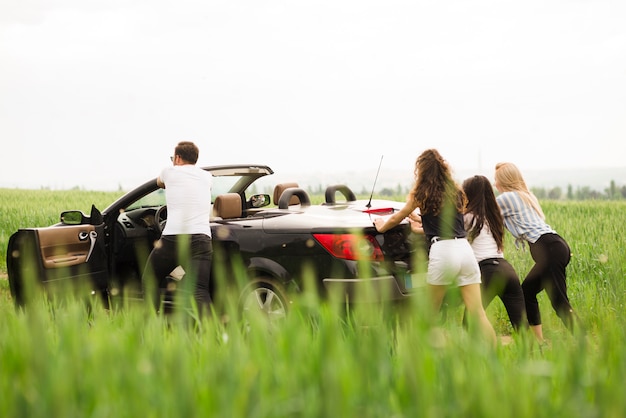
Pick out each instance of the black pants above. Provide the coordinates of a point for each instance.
(551, 255)
(194, 253)
(500, 279)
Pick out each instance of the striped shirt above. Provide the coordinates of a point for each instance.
(522, 221)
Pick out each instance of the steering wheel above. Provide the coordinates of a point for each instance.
(160, 218)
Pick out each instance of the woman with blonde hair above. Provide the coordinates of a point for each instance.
(441, 203)
(525, 220)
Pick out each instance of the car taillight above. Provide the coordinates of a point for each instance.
(351, 246)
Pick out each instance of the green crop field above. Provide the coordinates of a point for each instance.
(60, 359)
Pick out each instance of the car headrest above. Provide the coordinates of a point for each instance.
(287, 197)
(227, 206)
(280, 188)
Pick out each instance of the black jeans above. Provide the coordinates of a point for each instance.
(500, 279)
(194, 253)
(551, 254)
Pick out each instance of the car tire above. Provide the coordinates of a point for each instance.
(263, 299)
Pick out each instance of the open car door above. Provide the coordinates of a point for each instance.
(71, 254)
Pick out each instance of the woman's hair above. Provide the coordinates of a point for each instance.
(434, 186)
(509, 179)
(481, 203)
(188, 151)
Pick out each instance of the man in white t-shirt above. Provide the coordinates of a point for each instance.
(186, 238)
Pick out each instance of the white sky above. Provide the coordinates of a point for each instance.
(96, 94)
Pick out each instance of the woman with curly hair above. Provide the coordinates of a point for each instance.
(485, 229)
(441, 203)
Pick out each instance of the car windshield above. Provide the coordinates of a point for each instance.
(224, 184)
(155, 198)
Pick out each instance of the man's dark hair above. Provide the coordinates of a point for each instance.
(188, 151)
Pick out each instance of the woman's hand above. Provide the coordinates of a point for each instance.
(416, 223)
(379, 223)
(415, 217)
(416, 226)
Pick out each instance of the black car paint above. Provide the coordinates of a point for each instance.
(276, 246)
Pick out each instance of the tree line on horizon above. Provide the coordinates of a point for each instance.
(613, 192)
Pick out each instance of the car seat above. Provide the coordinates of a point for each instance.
(227, 206)
(280, 188)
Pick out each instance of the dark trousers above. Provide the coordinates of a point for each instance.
(551, 254)
(194, 253)
(500, 279)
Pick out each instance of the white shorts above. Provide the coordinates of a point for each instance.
(452, 261)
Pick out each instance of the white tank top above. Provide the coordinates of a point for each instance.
(484, 245)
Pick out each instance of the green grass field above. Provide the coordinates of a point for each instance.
(60, 359)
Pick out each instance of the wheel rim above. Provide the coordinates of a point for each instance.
(266, 303)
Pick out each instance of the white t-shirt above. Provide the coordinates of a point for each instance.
(188, 197)
(484, 245)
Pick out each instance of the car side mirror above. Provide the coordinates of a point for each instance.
(72, 217)
(259, 200)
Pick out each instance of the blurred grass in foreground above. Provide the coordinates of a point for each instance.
(60, 359)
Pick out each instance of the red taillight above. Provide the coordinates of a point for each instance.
(351, 246)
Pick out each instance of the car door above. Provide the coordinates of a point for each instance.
(69, 255)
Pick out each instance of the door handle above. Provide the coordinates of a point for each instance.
(83, 235)
(92, 236)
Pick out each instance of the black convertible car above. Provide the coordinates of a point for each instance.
(276, 241)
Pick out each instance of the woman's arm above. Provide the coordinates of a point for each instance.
(385, 224)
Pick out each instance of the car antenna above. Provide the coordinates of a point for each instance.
(369, 204)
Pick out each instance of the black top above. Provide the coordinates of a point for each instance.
(443, 226)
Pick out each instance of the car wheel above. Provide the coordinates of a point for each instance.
(263, 300)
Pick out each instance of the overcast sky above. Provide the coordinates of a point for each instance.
(96, 94)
